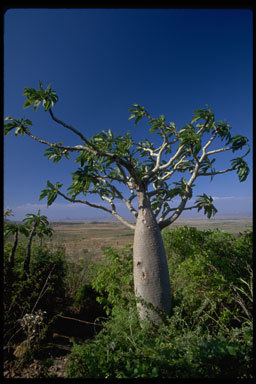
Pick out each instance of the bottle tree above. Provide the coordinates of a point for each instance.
(116, 168)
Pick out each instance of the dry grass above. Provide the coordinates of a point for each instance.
(80, 239)
(89, 238)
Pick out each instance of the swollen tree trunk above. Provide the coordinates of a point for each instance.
(28, 253)
(150, 269)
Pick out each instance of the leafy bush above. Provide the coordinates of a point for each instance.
(206, 271)
(209, 333)
(124, 349)
(114, 280)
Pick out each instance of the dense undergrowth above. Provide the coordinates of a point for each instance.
(208, 334)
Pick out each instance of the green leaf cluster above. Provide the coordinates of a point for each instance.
(205, 202)
(35, 97)
(106, 141)
(181, 188)
(20, 126)
(223, 130)
(204, 114)
(190, 139)
(207, 165)
(157, 124)
(56, 154)
(38, 219)
(138, 113)
(238, 142)
(81, 181)
(242, 168)
(12, 228)
(51, 192)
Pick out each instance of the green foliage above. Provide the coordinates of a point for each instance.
(124, 349)
(55, 154)
(113, 281)
(181, 188)
(20, 126)
(12, 228)
(206, 267)
(189, 137)
(36, 97)
(209, 333)
(106, 158)
(242, 168)
(51, 192)
(137, 112)
(205, 202)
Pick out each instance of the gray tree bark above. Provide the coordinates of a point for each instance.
(150, 269)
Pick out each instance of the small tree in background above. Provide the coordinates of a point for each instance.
(43, 231)
(149, 174)
(35, 222)
(14, 229)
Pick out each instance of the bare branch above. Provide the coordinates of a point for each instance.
(217, 172)
(218, 151)
(119, 195)
(84, 202)
(115, 214)
(68, 148)
(112, 212)
(175, 215)
(158, 158)
(71, 129)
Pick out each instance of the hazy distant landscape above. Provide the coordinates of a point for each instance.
(89, 237)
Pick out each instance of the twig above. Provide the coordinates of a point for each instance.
(42, 293)
(80, 321)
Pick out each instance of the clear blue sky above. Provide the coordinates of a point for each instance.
(100, 62)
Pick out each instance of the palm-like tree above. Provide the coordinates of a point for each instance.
(43, 231)
(35, 221)
(14, 229)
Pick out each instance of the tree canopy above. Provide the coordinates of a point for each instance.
(107, 160)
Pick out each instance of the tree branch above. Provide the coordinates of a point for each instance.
(126, 163)
(164, 223)
(181, 207)
(218, 151)
(68, 148)
(119, 161)
(217, 172)
(119, 195)
(71, 129)
(112, 212)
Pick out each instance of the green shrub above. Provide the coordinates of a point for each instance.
(124, 349)
(206, 268)
(113, 281)
(210, 331)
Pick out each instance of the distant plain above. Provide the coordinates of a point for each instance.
(90, 237)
